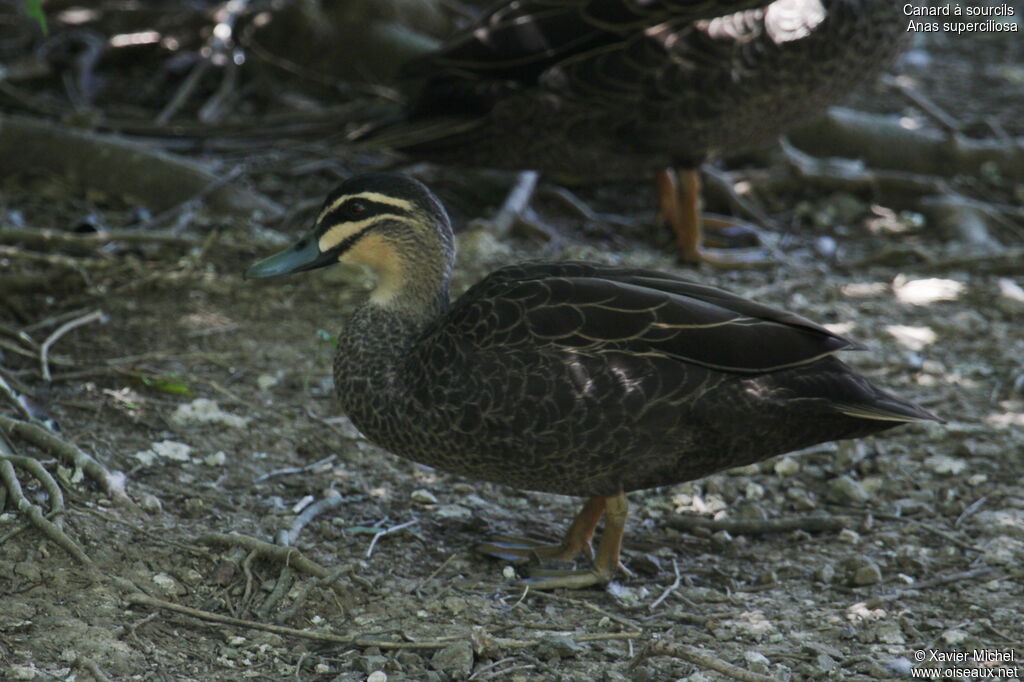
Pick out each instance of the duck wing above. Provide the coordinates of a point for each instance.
(589, 309)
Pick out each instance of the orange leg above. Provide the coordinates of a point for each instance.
(679, 206)
(606, 564)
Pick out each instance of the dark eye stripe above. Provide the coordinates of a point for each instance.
(343, 212)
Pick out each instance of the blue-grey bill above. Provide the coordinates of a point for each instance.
(303, 255)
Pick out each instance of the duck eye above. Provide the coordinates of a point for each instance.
(356, 208)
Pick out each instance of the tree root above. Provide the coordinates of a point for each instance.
(117, 165)
(35, 516)
(112, 483)
(882, 141)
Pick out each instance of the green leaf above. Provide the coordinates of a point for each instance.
(168, 384)
(34, 8)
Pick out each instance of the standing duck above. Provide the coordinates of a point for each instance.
(613, 90)
(570, 377)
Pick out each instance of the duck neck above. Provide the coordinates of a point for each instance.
(377, 338)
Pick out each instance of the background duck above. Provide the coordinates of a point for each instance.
(612, 90)
(570, 377)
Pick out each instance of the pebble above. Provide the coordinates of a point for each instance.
(862, 571)
(423, 496)
(556, 647)
(845, 490)
(849, 536)
(453, 511)
(942, 464)
(150, 503)
(377, 676)
(787, 466)
(455, 659)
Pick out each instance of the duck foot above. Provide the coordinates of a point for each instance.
(577, 541)
(679, 202)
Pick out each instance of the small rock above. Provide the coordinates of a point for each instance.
(509, 573)
(942, 464)
(721, 539)
(901, 666)
(557, 647)
(194, 507)
(845, 490)
(456, 659)
(849, 536)
(1011, 296)
(757, 661)
(168, 585)
(862, 571)
(647, 564)
(954, 637)
(423, 496)
(218, 459)
(377, 676)
(453, 511)
(267, 381)
(22, 672)
(371, 663)
(150, 503)
(787, 466)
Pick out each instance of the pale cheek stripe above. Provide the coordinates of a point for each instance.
(343, 231)
(371, 196)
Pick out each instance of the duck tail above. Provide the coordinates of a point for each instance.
(887, 407)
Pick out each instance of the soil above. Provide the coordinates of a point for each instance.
(213, 396)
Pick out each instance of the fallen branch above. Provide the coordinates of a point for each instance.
(811, 524)
(360, 640)
(697, 657)
(119, 166)
(881, 141)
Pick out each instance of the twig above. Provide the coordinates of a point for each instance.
(304, 593)
(670, 589)
(587, 605)
(950, 538)
(58, 238)
(810, 524)
(433, 574)
(362, 640)
(388, 531)
(288, 537)
(281, 587)
(112, 483)
(972, 574)
(970, 510)
(697, 657)
(284, 555)
(44, 350)
(295, 470)
(941, 116)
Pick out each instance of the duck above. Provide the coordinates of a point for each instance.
(573, 378)
(592, 91)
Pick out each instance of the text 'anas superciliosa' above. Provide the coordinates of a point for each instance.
(571, 377)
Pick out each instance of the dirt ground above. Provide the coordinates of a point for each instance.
(213, 396)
